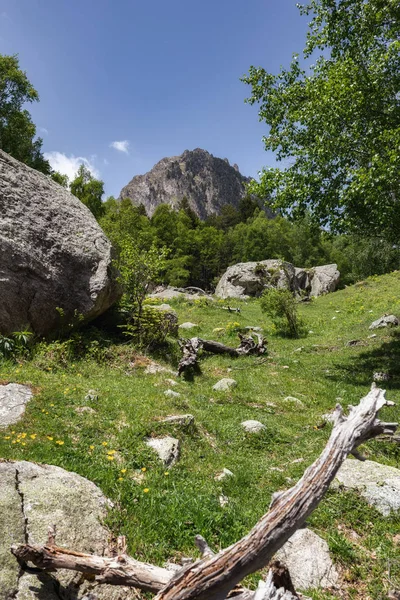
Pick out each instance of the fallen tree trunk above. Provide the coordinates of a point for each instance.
(214, 576)
(253, 344)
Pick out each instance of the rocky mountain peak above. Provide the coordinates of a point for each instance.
(206, 181)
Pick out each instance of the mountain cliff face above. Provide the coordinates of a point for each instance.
(207, 182)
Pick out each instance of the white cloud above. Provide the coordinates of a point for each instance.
(122, 146)
(69, 165)
(43, 130)
(105, 161)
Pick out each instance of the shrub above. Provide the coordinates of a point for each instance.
(16, 344)
(281, 306)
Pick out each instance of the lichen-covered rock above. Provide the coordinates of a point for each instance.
(224, 385)
(166, 447)
(34, 497)
(378, 484)
(307, 557)
(252, 426)
(13, 399)
(55, 261)
(250, 279)
(385, 321)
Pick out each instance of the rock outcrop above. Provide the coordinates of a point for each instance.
(13, 399)
(244, 280)
(32, 499)
(206, 181)
(54, 258)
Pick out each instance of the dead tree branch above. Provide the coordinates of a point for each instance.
(214, 576)
(249, 344)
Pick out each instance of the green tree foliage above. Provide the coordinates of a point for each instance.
(336, 123)
(60, 178)
(17, 132)
(89, 191)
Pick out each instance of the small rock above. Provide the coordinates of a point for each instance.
(188, 325)
(307, 557)
(184, 420)
(92, 396)
(223, 500)
(162, 307)
(153, 368)
(378, 484)
(381, 376)
(252, 426)
(285, 367)
(372, 336)
(13, 399)
(291, 400)
(299, 349)
(297, 460)
(171, 394)
(250, 328)
(85, 409)
(223, 385)
(171, 382)
(328, 417)
(167, 449)
(385, 321)
(224, 473)
(353, 343)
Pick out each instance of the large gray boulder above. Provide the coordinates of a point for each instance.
(250, 279)
(53, 254)
(34, 497)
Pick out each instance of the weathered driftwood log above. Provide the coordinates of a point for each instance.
(215, 575)
(249, 344)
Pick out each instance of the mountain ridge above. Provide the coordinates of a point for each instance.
(208, 183)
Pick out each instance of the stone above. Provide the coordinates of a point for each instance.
(223, 500)
(92, 396)
(381, 376)
(166, 447)
(324, 279)
(250, 279)
(378, 484)
(85, 409)
(171, 394)
(293, 401)
(184, 420)
(250, 328)
(171, 382)
(252, 426)
(224, 385)
(13, 399)
(385, 321)
(171, 293)
(223, 474)
(307, 557)
(208, 183)
(188, 325)
(34, 497)
(328, 417)
(55, 261)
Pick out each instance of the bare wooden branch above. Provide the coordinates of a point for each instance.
(215, 577)
(253, 344)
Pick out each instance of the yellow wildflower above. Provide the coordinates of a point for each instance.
(91, 447)
(123, 470)
(7, 437)
(120, 478)
(144, 469)
(59, 442)
(146, 490)
(14, 442)
(23, 435)
(104, 443)
(51, 404)
(49, 438)
(33, 435)
(23, 444)
(166, 473)
(110, 457)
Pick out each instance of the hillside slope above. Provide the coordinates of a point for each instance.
(160, 510)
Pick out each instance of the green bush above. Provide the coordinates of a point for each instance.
(281, 306)
(16, 344)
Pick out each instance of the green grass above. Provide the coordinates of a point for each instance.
(183, 501)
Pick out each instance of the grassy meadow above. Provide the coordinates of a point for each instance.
(161, 510)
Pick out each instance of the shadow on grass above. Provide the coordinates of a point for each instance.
(359, 369)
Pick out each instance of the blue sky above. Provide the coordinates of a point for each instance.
(161, 76)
